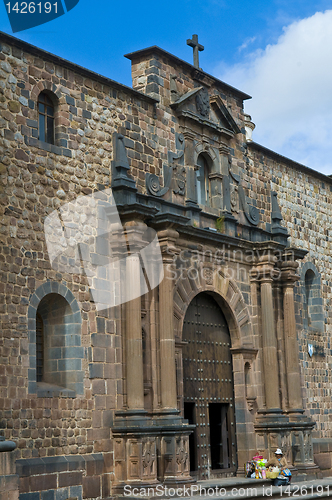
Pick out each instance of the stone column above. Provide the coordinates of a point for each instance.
(9, 479)
(291, 345)
(167, 240)
(134, 350)
(270, 358)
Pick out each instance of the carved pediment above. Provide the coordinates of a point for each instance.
(223, 114)
(197, 106)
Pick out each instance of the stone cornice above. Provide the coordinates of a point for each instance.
(215, 127)
(287, 161)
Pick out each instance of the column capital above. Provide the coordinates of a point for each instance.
(188, 134)
(264, 270)
(288, 273)
(134, 234)
(167, 241)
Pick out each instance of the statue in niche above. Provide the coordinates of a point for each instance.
(203, 103)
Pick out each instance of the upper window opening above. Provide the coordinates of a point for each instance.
(203, 181)
(313, 314)
(309, 279)
(46, 118)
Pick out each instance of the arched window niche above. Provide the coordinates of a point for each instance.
(55, 350)
(312, 313)
(46, 117)
(203, 185)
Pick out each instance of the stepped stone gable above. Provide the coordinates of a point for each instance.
(94, 397)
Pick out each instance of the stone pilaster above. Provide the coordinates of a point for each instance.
(265, 273)
(134, 350)
(289, 277)
(166, 329)
(134, 353)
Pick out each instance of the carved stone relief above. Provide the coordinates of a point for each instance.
(286, 446)
(182, 454)
(308, 449)
(149, 457)
(250, 211)
(180, 180)
(174, 162)
(234, 199)
(203, 103)
(208, 275)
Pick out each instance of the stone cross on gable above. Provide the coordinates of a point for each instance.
(197, 47)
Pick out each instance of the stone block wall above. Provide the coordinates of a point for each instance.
(72, 415)
(76, 477)
(9, 480)
(37, 178)
(305, 198)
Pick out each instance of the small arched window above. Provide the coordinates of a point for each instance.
(45, 118)
(313, 311)
(203, 182)
(308, 281)
(59, 352)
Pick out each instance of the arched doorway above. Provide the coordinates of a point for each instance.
(209, 388)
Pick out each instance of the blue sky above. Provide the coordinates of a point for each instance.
(242, 40)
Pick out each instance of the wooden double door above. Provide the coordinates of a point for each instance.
(209, 388)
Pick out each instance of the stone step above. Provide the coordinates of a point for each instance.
(237, 488)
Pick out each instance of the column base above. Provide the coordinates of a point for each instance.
(307, 472)
(9, 479)
(292, 433)
(150, 451)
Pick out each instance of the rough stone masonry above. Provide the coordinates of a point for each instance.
(97, 399)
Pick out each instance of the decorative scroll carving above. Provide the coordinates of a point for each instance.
(153, 183)
(230, 196)
(251, 212)
(234, 176)
(152, 180)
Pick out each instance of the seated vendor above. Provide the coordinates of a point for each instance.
(278, 460)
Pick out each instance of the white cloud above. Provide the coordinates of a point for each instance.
(291, 85)
(247, 42)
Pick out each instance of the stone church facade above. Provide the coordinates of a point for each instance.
(227, 355)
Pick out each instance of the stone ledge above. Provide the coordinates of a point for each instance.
(92, 464)
(322, 445)
(45, 146)
(53, 391)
